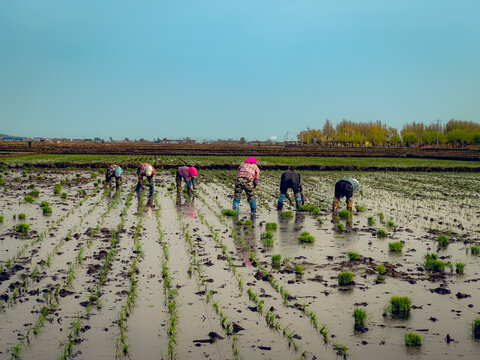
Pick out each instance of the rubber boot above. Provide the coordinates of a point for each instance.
(350, 204)
(236, 203)
(335, 204)
(298, 200)
(280, 201)
(253, 205)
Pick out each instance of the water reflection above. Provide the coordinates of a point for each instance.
(247, 232)
(290, 230)
(187, 208)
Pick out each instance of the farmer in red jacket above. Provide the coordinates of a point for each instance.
(188, 174)
(248, 176)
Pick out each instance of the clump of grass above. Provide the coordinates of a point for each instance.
(287, 214)
(361, 208)
(344, 214)
(267, 238)
(353, 256)
(399, 307)
(276, 259)
(228, 212)
(371, 220)
(21, 216)
(360, 316)
(57, 189)
(247, 222)
(396, 246)
(412, 339)
(433, 264)
(298, 269)
(64, 195)
(474, 249)
(442, 241)
(29, 199)
(340, 228)
(345, 278)
(271, 226)
(476, 328)
(305, 237)
(381, 233)
(381, 269)
(459, 267)
(23, 228)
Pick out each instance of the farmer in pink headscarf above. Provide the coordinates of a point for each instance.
(248, 176)
(188, 174)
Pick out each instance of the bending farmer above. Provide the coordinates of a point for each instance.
(290, 180)
(116, 171)
(345, 187)
(248, 176)
(188, 174)
(148, 171)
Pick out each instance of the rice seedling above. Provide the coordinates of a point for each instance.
(459, 267)
(64, 195)
(345, 278)
(320, 221)
(21, 216)
(276, 259)
(34, 193)
(381, 269)
(271, 226)
(433, 264)
(298, 270)
(476, 328)
(341, 350)
(1, 218)
(305, 237)
(287, 214)
(371, 220)
(395, 246)
(29, 199)
(228, 212)
(247, 222)
(57, 189)
(344, 214)
(360, 316)
(23, 228)
(340, 228)
(267, 238)
(399, 307)
(442, 241)
(380, 216)
(360, 208)
(391, 224)
(381, 233)
(474, 249)
(239, 223)
(412, 339)
(353, 256)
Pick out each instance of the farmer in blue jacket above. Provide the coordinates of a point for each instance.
(345, 187)
(116, 171)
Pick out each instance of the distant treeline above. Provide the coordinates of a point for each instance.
(454, 132)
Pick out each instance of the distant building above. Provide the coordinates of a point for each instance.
(12, 139)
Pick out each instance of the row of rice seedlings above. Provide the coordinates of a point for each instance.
(131, 293)
(12, 261)
(67, 346)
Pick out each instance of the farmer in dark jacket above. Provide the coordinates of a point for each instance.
(345, 187)
(290, 180)
(116, 171)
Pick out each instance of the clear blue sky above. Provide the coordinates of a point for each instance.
(227, 69)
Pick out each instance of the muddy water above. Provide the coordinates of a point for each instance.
(420, 205)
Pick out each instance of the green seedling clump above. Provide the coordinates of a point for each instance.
(287, 214)
(371, 220)
(228, 212)
(380, 216)
(340, 228)
(1, 218)
(344, 214)
(353, 256)
(361, 208)
(476, 328)
(345, 278)
(271, 226)
(474, 249)
(320, 221)
(239, 223)
(29, 198)
(442, 241)
(276, 260)
(391, 224)
(34, 193)
(305, 237)
(64, 195)
(396, 246)
(433, 264)
(57, 188)
(381, 233)
(459, 267)
(247, 222)
(267, 238)
(412, 339)
(298, 269)
(399, 306)
(21, 216)
(381, 269)
(360, 316)
(23, 228)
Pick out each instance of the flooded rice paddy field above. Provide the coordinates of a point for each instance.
(116, 274)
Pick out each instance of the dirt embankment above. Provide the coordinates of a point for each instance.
(471, 153)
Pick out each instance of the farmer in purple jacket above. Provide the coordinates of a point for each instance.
(188, 175)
